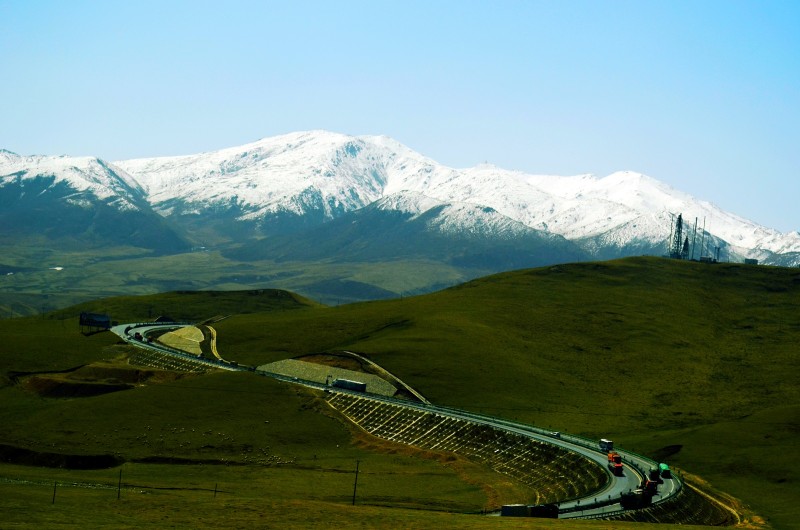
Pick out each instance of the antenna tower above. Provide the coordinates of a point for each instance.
(676, 245)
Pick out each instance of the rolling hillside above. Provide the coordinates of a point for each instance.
(691, 363)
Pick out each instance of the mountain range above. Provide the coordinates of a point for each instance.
(317, 195)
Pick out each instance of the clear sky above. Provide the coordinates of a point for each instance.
(703, 95)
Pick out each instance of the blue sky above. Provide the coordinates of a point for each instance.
(703, 95)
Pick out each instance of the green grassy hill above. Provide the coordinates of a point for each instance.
(691, 363)
(683, 361)
(190, 306)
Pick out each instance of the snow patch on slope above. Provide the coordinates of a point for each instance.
(453, 217)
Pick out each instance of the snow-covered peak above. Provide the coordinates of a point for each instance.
(82, 174)
(332, 173)
(623, 206)
(6, 155)
(339, 172)
(408, 202)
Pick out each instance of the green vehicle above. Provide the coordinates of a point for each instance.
(664, 471)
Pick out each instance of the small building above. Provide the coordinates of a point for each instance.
(750, 261)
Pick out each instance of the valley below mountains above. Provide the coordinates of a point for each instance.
(334, 217)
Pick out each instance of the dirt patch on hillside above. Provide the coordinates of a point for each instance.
(115, 372)
(741, 515)
(29, 457)
(325, 374)
(94, 379)
(54, 387)
(667, 452)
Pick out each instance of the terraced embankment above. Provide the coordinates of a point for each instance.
(187, 339)
(553, 474)
(98, 378)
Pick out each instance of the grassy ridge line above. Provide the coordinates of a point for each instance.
(640, 328)
(655, 353)
(190, 305)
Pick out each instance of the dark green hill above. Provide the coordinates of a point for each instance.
(189, 306)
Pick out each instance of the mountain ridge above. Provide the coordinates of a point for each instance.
(330, 174)
(78, 202)
(296, 181)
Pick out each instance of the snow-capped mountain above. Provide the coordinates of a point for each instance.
(77, 201)
(307, 178)
(340, 218)
(90, 178)
(300, 181)
(294, 174)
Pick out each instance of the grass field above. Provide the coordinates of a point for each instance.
(258, 503)
(34, 286)
(691, 363)
(250, 435)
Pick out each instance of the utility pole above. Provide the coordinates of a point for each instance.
(355, 483)
(702, 238)
(671, 228)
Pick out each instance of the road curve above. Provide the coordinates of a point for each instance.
(128, 333)
(601, 503)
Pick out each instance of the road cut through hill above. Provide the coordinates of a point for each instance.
(325, 374)
(186, 339)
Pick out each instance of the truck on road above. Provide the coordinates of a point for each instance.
(347, 384)
(606, 445)
(615, 463)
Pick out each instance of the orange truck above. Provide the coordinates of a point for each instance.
(615, 463)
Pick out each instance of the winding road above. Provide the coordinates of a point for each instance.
(601, 503)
